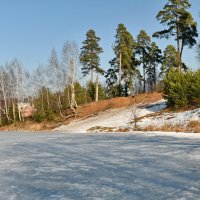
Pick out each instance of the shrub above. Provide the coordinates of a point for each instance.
(182, 90)
(49, 114)
(39, 115)
(91, 91)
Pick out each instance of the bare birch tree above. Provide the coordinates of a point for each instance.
(58, 80)
(70, 59)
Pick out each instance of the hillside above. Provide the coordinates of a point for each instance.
(147, 114)
(86, 111)
(144, 112)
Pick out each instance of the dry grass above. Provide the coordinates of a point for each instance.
(192, 126)
(101, 129)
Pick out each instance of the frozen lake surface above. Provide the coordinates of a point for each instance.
(39, 166)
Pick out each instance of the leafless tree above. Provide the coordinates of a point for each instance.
(70, 59)
(57, 79)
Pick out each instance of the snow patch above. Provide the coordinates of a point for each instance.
(112, 118)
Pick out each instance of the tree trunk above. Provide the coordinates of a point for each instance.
(97, 89)
(144, 79)
(182, 45)
(4, 98)
(126, 85)
(13, 108)
(120, 73)
(155, 79)
(120, 68)
(73, 103)
(92, 74)
(19, 111)
(42, 99)
(59, 103)
(178, 46)
(131, 86)
(47, 96)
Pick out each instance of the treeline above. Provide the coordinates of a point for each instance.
(139, 66)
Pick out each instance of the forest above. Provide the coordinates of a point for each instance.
(139, 66)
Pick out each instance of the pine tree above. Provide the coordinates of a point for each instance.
(182, 91)
(155, 58)
(143, 45)
(112, 78)
(89, 56)
(170, 59)
(180, 25)
(123, 49)
(91, 91)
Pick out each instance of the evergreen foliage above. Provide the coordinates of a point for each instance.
(182, 90)
(123, 49)
(154, 58)
(180, 25)
(143, 46)
(89, 56)
(91, 91)
(170, 59)
(112, 79)
(81, 94)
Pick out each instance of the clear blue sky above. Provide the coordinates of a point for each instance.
(30, 28)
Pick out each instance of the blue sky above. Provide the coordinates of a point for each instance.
(30, 28)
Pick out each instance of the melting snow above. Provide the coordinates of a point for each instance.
(112, 118)
(122, 117)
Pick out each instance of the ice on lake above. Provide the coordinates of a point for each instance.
(58, 166)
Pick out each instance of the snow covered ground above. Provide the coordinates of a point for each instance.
(44, 166)
(111, 118)
(122, 118)
(180, 118)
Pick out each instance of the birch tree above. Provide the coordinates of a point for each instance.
(70, 61)
(57, 79)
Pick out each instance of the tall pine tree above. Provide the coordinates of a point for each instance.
(155, 58)
(123, 49)
(180, 25)
(143, 45)
(170, 60)
(89, 56)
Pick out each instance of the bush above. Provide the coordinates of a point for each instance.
(91, 91)
(49, 115)
(182, 90)
(81, 94)
(39, 115)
